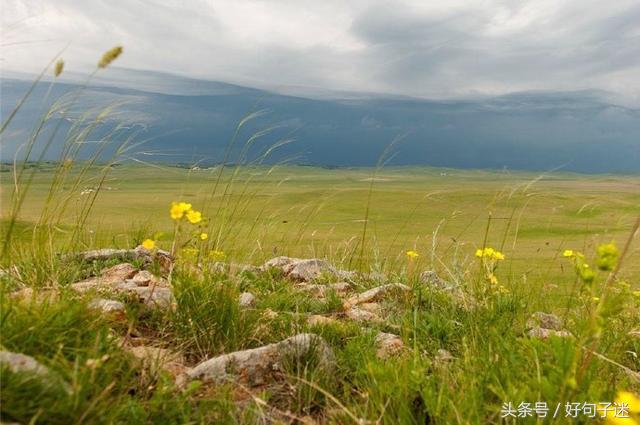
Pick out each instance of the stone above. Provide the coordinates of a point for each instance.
(431, 278)
(108, 277)
(321, 290)
(388, 345)
(261, 365)
(634, 333)
(307, 270)
(107, 306)
(156, 359)
(143, 278)
(374, 308)
(543, 333)
(22, 364)
(360, 315)
(318, 320)
(375, 293)
(443, 356)
(247, 300)
(544, 320)
(278, 262)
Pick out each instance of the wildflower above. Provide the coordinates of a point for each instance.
(493, 279)
(608, 255)
(568, 253)
(217, 255)
(412, 254)
(109, 56)
(595, 299)
(58, 68)
(490, 253)
(148, 244)
(194, 217)
(204, 236)
(631, 405)
(178, 209)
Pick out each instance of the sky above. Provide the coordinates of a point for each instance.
(431, 49)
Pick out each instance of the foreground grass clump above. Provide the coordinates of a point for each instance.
(465, 351)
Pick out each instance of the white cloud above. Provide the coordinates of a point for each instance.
(435, 48)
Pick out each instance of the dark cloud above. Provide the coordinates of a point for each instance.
(436, 48)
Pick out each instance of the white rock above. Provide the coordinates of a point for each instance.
(388, 345)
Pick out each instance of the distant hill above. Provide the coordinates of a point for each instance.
(189, 120)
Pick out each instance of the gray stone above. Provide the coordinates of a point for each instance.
(388, 345)
(543, 333)
(376, 293)
(107, 306)
(544, 320)
(258, 366)
(22, 364)
(247, 300)
(360, 315)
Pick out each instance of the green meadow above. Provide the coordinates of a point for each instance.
(257, 213)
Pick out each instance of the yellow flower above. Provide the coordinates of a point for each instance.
(148, 244)
(217, 255)
(493, 279)
(630, 401)
(490, 253)
(194, 217)
(178, 209)
(568, 253)
(204, 236)
(596, 299)
(412, 254)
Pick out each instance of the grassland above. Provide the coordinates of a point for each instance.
(315, 212)
(257, 213)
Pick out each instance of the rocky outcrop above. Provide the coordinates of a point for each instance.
(306, 270)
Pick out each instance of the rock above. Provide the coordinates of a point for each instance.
(321, 290)
(143, 278)
(544, 320)
(307, 270)
(374, 308)
(107, 254)
(23, 364)
(247, 300)
(543, 333)
(634, 333)
(388, 345)
(431, 278)
(443, 356)
(139, 253)
(155, 359)
(359, 315)
(278, 263)
(318, 320)
(375, 293)
(108, 277)
(155, 296)
(259, 365)
(107, 306)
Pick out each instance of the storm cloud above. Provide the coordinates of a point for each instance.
(431, 49)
